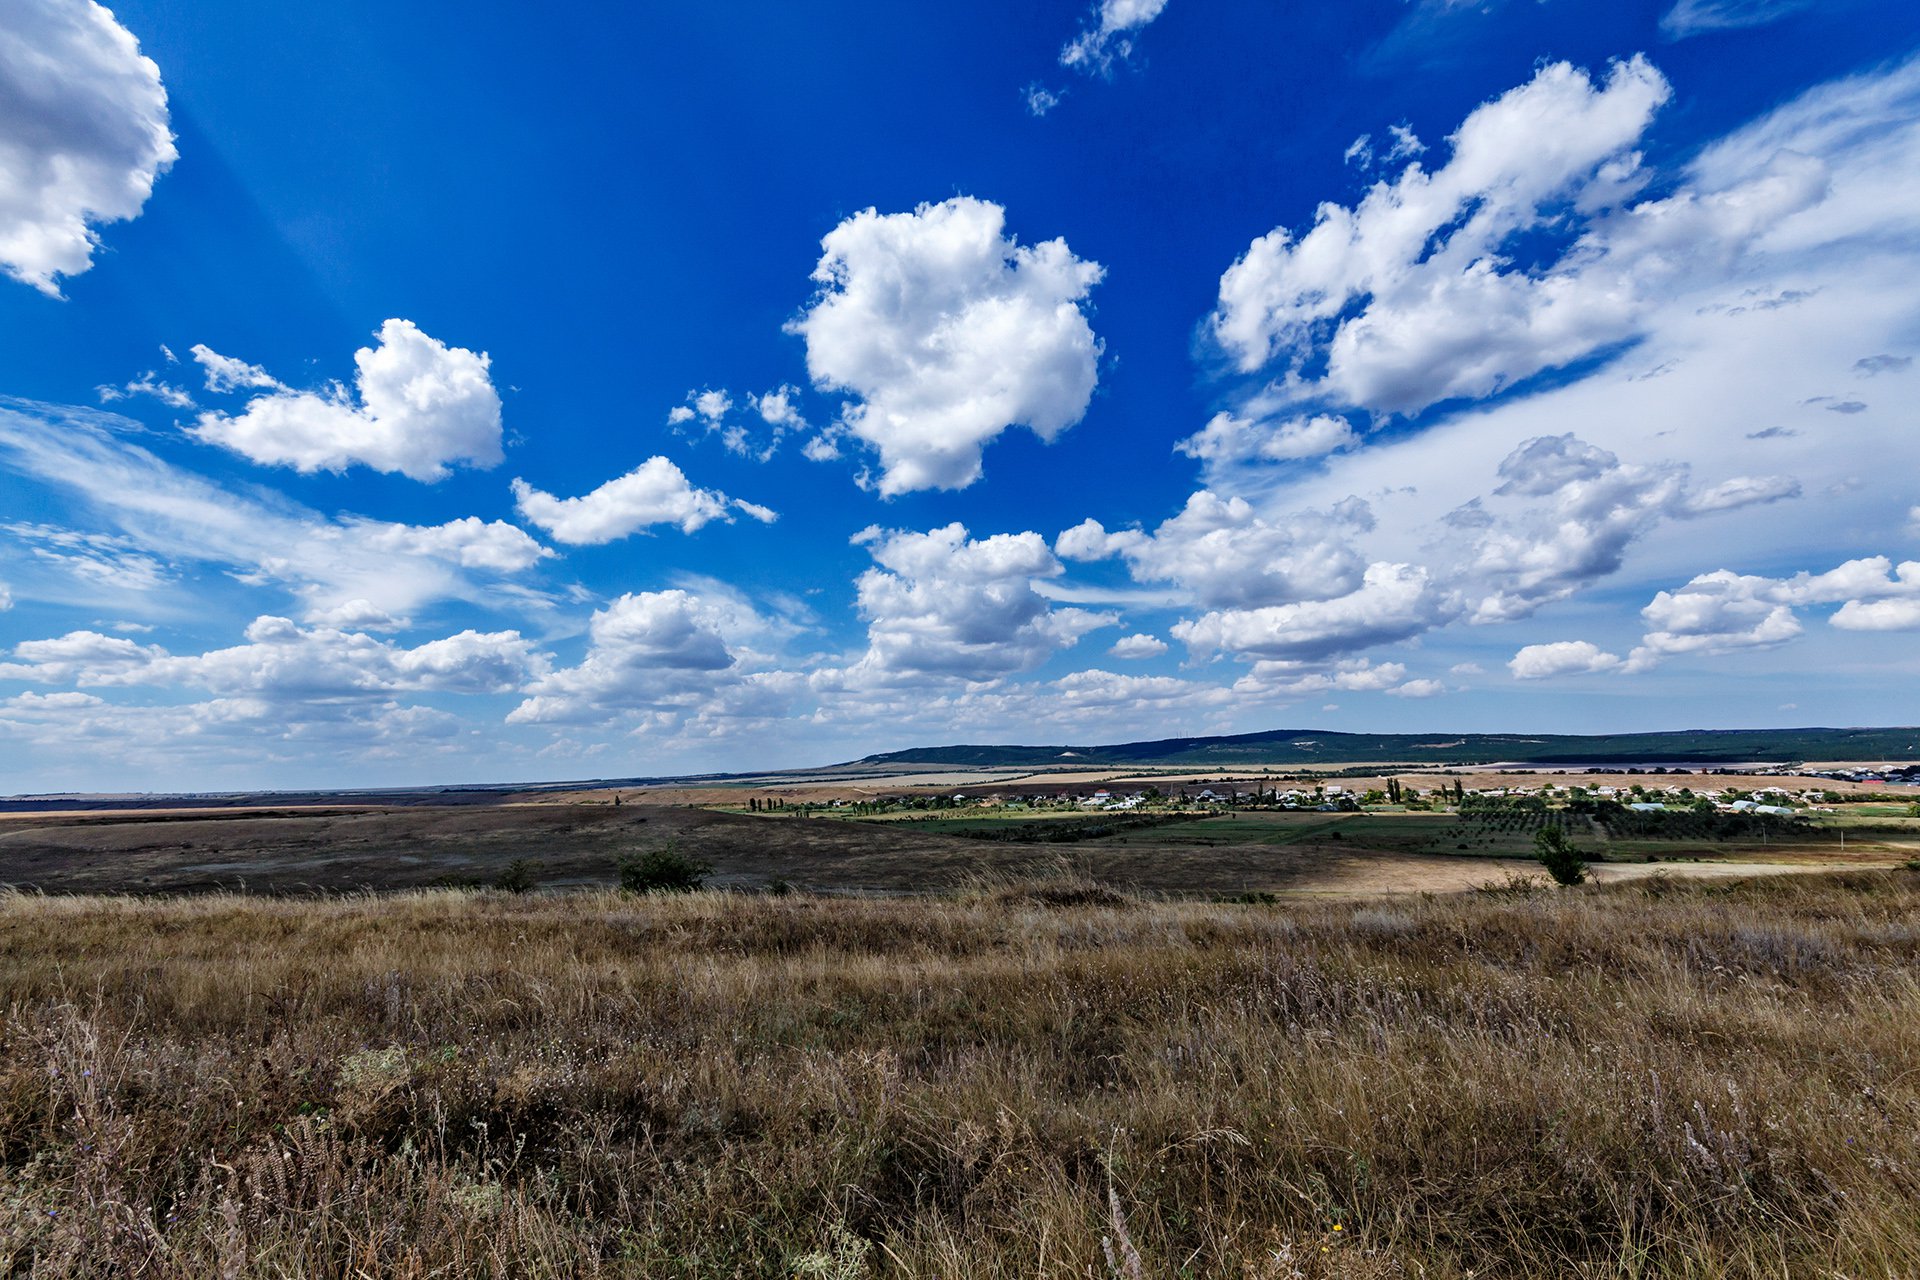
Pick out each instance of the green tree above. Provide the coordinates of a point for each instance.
(1557, 854)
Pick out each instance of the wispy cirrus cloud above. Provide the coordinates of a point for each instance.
(1697, 17)
(167, 514)
(1110, 34)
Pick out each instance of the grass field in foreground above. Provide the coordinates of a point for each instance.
(1665, 1079)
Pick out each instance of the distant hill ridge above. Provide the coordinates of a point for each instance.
(1307, 746)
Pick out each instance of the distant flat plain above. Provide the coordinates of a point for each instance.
(575, 838)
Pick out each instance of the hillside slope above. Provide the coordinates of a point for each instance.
(1308, 746)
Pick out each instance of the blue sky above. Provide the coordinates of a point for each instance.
(416, 394)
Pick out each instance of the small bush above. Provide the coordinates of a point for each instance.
(1061, 884)
(1557, 854)
(520, 876)
(663, 870)
(846, 1256)
(1516, 886)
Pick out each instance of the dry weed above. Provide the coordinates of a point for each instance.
(1706, 1081)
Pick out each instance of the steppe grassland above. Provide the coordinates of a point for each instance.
(1035, 1080)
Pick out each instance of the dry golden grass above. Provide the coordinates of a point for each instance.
(1706, 1080)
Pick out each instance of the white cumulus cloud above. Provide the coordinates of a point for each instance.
(285, 662)
(1561, 658)
(84, 132)
(1725, 612)
(417, 407)
(646, 651)
(79, 657)
(1768, 283)
(655, 492)
(357, 615)
(777, 409)
(470, 542)
(1393, 602)
(947, 331)
(1879, 615)
(1868, 578)
(940, 604)
(1228, 438)
(1541, 141)
(1220, 552)
(1417, 295)
(1138, 646)
(1717, 612)
(1272, 678)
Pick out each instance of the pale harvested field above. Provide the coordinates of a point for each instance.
(1385, 875)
